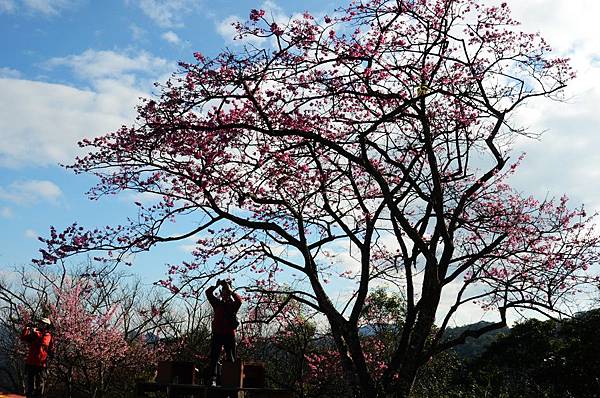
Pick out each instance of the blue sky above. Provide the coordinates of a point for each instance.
(71, 69)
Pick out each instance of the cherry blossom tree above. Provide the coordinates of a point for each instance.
(369, 146)
(92, 350)
(102, 321)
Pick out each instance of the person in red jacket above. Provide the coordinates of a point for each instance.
(224, 324)
(40, 341)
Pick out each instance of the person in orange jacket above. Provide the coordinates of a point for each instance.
(224, 324)
(40, 341)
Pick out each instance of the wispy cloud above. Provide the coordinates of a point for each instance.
(113, 82)
(99, 64)
(9, 72)
(7, 6)
(64, 115)
(167, 13)
(6, 212)
(29, 192)
(44, 7)
(226, 28)
(137, 33)
(31, 234)
(566, 159)
(48, 7)
(171, 37)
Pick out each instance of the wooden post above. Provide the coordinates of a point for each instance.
(233, 374)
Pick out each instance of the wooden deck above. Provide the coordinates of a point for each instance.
(199, 391)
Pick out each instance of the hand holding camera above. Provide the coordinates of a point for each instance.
(225, 284)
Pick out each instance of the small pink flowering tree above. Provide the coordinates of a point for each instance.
(101, 321)
(91, 348)
(379, 135)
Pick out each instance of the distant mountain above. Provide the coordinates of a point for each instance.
(473, 348)
(371, 329)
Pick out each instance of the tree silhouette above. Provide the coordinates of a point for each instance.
(365, 147)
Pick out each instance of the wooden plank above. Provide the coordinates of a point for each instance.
(200, 391)
(232, 374)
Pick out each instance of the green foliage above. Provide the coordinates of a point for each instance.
(383, 308)
(474, 347)
(436, 378)
(543, 359)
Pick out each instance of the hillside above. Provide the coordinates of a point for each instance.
(473, 348)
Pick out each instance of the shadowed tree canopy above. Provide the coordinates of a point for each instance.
(543, 358)
(368, 146)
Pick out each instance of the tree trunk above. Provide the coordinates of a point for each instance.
(408, 361)
(70, 382)
(407, 380)
(353, 364)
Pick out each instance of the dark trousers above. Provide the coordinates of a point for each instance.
(34, 381)
(218, 342)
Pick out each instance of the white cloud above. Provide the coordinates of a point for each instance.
(48, 7)
(188, 248)
(6, 212)
(9, 72)
(167, 13)
(31, 234)
(45, 7)
(7, 6)
(137, 33)
(273, 12)
(226, 27)
(64, 115)
(31, 191)
(171, 37)
(94, 64)
(568, 25)
(227, 30)
(566, 159)
(467, 313)
(145, 198)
